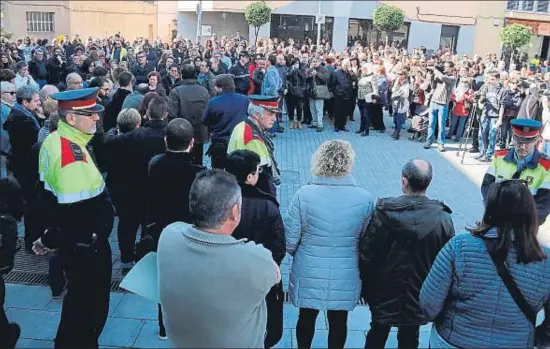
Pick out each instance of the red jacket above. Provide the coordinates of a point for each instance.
(462, 108)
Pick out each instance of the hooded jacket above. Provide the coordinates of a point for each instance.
(397, 251)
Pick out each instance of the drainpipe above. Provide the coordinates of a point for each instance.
(319, 27)
(199, 22)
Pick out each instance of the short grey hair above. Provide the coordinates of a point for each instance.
(128, 119)
(25, 93)
(253, 109)
(71, 77)
(212, 195)
(333, 158)
(7, 86)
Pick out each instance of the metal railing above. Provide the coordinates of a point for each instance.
(535, 6)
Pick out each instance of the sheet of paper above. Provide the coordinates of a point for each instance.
(143, 278)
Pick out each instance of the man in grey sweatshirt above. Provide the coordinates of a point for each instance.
(442, 87)
(212, 287)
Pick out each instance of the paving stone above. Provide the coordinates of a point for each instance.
(35, 324)
(28, 297)
(133, 306)
(120, 333)
(148, 337)
(290, 317)
(355, 339)
(33, 343)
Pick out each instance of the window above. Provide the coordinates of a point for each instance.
(512, 5)
(300, 28)
(542, 6)
(40, 22)
(449, 37)
(528, 5)
(363, 30)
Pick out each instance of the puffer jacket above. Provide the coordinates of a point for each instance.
(471, 305)
(322, 230)
(340, 84)
(397, 251)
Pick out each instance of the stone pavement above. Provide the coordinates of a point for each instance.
(132, 319)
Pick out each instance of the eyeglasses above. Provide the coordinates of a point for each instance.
(10, 92)
(141, 56)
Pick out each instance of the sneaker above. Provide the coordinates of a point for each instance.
(344, 129)
(454, 139)
(299, 127)
(478, 157)
(291, 125)
(359, 131)
(311, 126)
(473, 150)
(59, 294)
(320, 129)
(162, 334)
(365, 133)
(441, 148)
(427, 145)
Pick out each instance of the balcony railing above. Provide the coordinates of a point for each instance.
(536, 6)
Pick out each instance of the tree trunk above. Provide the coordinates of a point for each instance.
(256, 31)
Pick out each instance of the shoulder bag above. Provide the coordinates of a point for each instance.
(518, 298)
(320, 91)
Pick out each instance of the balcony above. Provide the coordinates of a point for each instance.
(536, 6)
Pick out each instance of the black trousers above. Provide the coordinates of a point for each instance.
(307, 111)
(341, 110)
(377, 117)
(218, 154)
(328, 108)
(9, 333)
(86, 304)
(337, 328)
(365, 110)
(407, 336)
(294, 108)
(130, 217)
(197, 151)
(506, 131)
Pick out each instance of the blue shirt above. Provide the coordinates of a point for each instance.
(272, 82)
(223, 112)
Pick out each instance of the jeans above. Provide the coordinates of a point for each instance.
(337, 328)
(506, 131)
(407, 336)
(488, 136)
(364, 110)
(399, 121)
(316, 106)
(438, 113)
(457, 124)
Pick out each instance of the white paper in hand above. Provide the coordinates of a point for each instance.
(143, 278)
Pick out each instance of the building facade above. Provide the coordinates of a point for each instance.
(535, 14)
(458, 26)
(51, 18)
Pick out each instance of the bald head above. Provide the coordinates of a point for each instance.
(143, 88)
(47, 91)
(417, 175)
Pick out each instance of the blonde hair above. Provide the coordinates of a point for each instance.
(49, 107)
(333, 158)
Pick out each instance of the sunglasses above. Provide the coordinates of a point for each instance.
(10, 92)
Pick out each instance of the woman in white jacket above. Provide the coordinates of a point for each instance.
(400, 102)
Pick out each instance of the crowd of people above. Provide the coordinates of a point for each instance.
(109, 127)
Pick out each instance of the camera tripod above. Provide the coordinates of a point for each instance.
(463, 145)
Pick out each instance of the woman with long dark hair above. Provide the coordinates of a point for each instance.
(467, 298)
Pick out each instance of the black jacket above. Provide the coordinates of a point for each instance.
(341, 84)
(128, 157)
(167, 83)
(188, 101)
(23, 131)
(56, 71)
(169, 182)
(112, 110)
(296, 82)
(140, 73)
(242, 78)
(397, 251)
(261, 221)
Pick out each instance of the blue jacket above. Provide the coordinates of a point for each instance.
(322, 231)
(471, 305)
(272, 82)
(222, 113)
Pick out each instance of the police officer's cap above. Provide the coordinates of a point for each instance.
(79, 101)
(269, 103)
(525, 130)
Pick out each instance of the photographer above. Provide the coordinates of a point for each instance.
(12, 209)
(442, 86)
(513, 98)
(492, 110)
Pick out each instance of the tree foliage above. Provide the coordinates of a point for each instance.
(388, 18)
(5, 34)
(515, 35)
(257, 14)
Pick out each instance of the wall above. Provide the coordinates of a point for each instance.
(167, 14)
(105, 18)
(14, 20)
(424, 34)
(222, 25)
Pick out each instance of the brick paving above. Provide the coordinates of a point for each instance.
(132, 319)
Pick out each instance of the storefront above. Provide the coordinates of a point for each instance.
(540, 42)
(363, 30)
(299, 28)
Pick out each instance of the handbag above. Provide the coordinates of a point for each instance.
(518, 298)
(320, 91)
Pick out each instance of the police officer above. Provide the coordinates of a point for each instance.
(80, 219)
(250, 134)
(523, 162)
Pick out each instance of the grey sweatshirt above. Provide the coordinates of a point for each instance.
(212, 288)
(442, 87)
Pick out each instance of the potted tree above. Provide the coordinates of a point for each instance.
(257, 14)
(387, 18)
